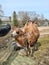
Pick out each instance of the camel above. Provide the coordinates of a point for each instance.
(27, 37)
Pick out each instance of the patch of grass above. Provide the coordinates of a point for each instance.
(44, 40)
(43, 48)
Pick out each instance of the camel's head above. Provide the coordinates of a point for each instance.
(16, 32)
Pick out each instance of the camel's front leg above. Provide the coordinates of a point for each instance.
(28, 51)
(32, 50)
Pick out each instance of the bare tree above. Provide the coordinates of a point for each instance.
(33, 15)
(24, 17)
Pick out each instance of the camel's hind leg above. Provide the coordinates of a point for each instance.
(34, 48)
(30, 50)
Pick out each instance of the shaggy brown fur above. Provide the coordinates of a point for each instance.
(32, 32)
(28, 36)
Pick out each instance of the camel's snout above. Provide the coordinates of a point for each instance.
(14, 34)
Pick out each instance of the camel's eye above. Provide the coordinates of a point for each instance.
(17, 32)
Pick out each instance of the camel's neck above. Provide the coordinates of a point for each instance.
(20, 40)
(17, 39)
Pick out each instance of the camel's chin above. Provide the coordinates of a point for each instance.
(14, 35)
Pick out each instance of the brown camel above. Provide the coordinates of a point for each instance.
(28, 36)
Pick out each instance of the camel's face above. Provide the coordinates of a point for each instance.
(16, 32)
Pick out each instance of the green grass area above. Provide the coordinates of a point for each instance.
(44, 41)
